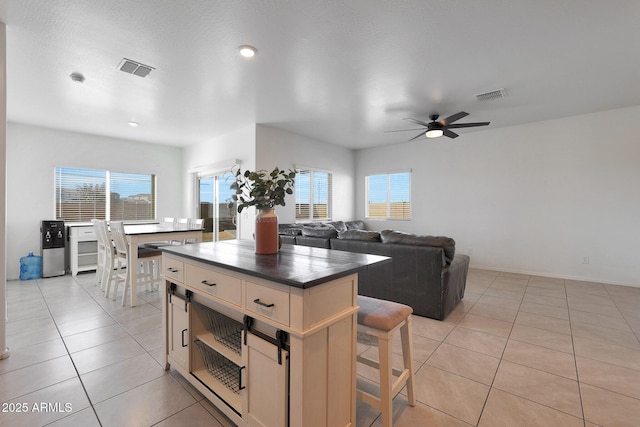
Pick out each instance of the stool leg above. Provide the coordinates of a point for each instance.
(386, 379)
(407, 352)
(118, 272)
(128, 287)
(156, 274)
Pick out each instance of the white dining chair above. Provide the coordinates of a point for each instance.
(181, 223)
(155, 245)
(194, 224)
(100, 262)
(105, 273)
(148, 268)
(121, 259)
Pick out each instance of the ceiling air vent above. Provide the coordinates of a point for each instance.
(491, 96)
(133, 67)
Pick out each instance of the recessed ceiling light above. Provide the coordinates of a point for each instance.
(247, 51)
(77, 77)
(134, 124)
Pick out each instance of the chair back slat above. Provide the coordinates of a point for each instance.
(119, 238)
(195, 223)
(181, 223)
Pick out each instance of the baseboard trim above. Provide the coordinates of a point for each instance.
(552, 275)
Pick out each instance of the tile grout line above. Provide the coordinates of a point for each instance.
(166, 373)
(575, 359)
(637, 335)
(69, 355)
(484, 405)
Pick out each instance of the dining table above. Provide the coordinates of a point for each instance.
(138, 234)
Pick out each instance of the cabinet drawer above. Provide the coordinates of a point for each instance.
(220, 285)
(268, 302)
(82, 233)
(173, 269)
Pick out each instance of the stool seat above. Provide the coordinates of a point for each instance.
(380, 319)
(380, 314)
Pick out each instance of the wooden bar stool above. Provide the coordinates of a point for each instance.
(380, 318)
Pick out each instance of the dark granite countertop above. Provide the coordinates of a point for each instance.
(297, 266)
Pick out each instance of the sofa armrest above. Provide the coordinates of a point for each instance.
(454, 279)
(287, 239)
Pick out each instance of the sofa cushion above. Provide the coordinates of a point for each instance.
(290, 229)
(355, 225)
(325, 231)
(369, 236)
(399, 237)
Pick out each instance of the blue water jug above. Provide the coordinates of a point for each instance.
(30, 267)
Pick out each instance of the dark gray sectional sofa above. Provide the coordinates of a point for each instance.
(425, 273)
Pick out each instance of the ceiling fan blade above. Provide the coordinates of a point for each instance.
(399, 130)
(453, 118)
(467, 125)
(447, 132)
(417, 121)
(417, 136)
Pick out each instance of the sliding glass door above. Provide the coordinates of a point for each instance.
(217, 208)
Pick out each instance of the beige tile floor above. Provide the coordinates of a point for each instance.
(519, 350)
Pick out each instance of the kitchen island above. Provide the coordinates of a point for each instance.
(269, 339)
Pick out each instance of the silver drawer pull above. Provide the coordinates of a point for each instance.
(257, 301)
(204, 282)
(172, 270)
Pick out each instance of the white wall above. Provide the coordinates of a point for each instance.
(34, 152)
(286, 150)
(536, 198)
(215, 155)
(4, 351)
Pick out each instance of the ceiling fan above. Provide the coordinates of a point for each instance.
(435, 129)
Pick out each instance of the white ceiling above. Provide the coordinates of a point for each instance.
(339, 71)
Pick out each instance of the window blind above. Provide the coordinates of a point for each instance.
(389, 196)
(132, 196)
(80, 194)
(313, 195)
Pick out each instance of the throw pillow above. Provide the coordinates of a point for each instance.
(355, 225)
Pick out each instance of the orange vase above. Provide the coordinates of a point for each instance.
(267, 231)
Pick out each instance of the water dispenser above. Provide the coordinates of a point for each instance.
(52, 246)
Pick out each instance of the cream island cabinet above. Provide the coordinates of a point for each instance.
(268, 339)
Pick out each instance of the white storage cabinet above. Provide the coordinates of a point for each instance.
(83, 248)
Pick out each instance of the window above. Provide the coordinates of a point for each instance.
(313, 195)
(81, 195)
(389, 196)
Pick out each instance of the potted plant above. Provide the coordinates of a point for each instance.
(264, 190)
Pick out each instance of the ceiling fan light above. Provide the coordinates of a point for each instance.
(434, 133)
